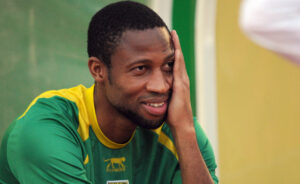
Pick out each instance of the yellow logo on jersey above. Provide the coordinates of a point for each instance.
(118, 182)
(115, 164)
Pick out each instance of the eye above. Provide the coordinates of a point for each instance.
(171, 63)
(168, 67)
(139, 70)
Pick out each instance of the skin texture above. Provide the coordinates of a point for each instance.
(140, 73)
(148, 69)
(180, 120)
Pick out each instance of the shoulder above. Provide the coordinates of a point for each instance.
(203, 144)
(48, 124)
(201, 136)
(57, 105)
(165, 137)
(43, 144)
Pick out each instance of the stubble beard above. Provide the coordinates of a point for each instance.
(137, 119)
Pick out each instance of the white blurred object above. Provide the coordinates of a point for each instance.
(273, 24)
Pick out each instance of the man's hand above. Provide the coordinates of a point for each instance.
(180, 119)
(180, 113)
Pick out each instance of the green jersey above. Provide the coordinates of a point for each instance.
(58, 140)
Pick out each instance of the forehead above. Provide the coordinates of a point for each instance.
(142, 39)
(152, 44)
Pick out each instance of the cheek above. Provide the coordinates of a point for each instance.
(169, 80)
(132, 84)
(129, 89)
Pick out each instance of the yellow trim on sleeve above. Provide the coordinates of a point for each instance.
(75, 95)
(84, 100)
(166, 141)
(86, 160)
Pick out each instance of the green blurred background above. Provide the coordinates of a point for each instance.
(43, 47)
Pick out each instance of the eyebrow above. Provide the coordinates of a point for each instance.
(170, 56)
(167, 58)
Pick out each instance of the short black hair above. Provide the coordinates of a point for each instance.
(108, 24)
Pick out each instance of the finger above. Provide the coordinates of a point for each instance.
(179, 64)
(175, 39)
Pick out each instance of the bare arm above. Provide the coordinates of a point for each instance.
(273, 24)
(180, 119)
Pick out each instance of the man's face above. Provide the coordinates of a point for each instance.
(141, 76)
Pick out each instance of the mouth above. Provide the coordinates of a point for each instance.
(156, 108)
(156, 104)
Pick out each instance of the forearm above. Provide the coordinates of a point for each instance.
(192, 166)
(180, 119)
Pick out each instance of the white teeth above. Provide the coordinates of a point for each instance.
(156, 104)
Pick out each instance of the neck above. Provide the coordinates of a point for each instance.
(114, 125)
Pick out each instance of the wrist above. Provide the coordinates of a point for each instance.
(186, 130)
(184, 123)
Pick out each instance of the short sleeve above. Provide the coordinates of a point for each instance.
(42, 150)
(177, 177)
(206, 151)
(207, 154)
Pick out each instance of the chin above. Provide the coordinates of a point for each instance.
(149, 123)
(140, 119)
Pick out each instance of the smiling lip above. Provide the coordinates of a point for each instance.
(156, 108)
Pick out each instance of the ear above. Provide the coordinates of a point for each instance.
(97, 68)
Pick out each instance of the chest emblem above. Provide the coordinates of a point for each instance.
(115, 164)
(118, 182)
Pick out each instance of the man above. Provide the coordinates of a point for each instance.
(114, 132)
(273, 24)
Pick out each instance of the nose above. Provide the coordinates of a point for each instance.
(159, 82)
